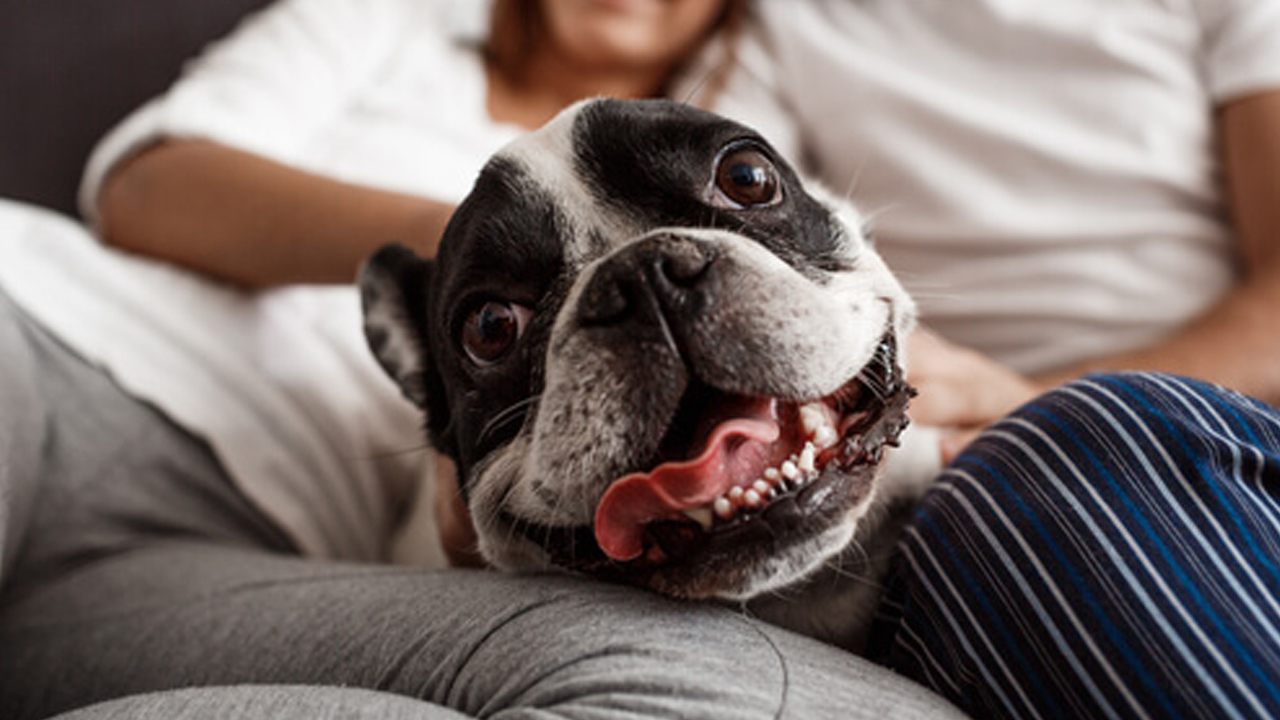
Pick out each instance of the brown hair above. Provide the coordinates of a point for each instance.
(515, 27)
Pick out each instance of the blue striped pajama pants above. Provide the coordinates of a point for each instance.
(1111, 550)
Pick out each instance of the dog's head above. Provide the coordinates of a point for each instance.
(653, 354)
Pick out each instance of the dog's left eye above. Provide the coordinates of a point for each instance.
(491, 330)
(746, 178)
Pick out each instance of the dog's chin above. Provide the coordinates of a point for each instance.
(791, 480)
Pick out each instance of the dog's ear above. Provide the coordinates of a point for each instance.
(393, 291)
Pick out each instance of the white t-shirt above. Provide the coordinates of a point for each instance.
(1042, 174)
(389, 93)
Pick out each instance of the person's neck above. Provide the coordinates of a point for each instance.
(548, 83)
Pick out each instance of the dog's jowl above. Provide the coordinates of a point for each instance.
(658, 358)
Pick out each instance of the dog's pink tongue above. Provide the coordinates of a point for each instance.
(737, 448)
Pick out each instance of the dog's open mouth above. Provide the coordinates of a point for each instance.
(754, 462)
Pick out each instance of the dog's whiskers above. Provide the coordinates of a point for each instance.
(556, 512)
(506, 416)
(877, 387)
(397, 452)
(494, 514)
(690, 96)
(842, 567)
(871, 217)
(787, 593)
(875, 383)
(855, 180)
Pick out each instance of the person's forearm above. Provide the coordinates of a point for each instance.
(1236, 343)
(254, 222)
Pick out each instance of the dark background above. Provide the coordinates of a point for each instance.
(71, 69)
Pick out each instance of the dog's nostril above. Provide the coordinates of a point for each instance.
(603, 301)
(685, 269)
(681, 261)
(656, 276)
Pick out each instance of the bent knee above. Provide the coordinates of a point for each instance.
(1117, 443)
(631, 651)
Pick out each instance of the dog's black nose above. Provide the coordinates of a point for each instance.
(660, 277)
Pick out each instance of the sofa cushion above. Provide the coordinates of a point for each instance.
(70, 69)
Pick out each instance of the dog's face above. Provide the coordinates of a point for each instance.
(653, 354)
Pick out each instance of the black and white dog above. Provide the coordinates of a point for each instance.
(657, 358)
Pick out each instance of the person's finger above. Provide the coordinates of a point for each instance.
(938, 403)
(953, 443)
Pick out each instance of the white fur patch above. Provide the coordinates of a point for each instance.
(547, 155)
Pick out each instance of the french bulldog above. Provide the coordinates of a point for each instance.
(657, 357)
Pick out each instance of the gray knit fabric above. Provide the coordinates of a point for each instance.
(143, 575)
(264, 701)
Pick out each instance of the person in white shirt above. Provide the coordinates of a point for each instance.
(1065, 187)
(1068, 187)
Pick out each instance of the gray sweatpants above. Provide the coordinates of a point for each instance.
(133, 572)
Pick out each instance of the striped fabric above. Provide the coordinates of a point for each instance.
(1112, 550)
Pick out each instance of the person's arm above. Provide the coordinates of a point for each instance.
(1237, 342)
(208, 175)
(254, 222)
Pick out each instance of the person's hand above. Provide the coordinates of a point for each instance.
(457, 535)
(961, 390)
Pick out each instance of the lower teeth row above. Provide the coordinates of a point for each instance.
(795, 472)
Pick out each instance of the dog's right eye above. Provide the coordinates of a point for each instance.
(746, 178)
(491, 331)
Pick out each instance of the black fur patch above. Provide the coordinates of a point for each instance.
(504, 243)
(660, 171)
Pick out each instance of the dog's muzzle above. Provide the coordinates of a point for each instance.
(760, 472)
(736, 474)
(758, 465)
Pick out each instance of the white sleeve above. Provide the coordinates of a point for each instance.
(265, 88)
(1242, 46)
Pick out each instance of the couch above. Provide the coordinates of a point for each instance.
(69, 70)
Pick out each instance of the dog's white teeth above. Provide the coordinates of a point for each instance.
(811, 418)
(701, 515)
(808, 456)
(825, 436)
(814, 422)
(789, 470)
(794, 473)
